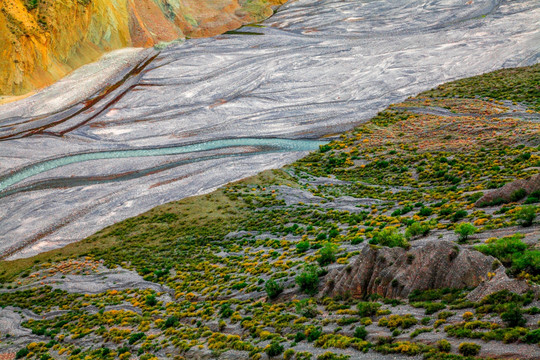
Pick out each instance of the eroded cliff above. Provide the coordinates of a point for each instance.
(42, 40)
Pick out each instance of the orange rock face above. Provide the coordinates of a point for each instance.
(43, 40)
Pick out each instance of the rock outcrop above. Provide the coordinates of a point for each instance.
(396, 272)
(43, 40)
(499, 282)
(506, 192)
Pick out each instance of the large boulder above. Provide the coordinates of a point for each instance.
(396, 272)
(504, 193)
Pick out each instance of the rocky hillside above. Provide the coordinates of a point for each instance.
(42, 40)
(376, 244)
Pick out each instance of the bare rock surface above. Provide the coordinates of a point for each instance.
(11, 319)
(396, 272)
(295, 196)
(94, 284)
(10, 323)
(111, 279)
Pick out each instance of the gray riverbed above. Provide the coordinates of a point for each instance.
(319, 68)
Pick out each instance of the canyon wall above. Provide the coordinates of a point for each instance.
(43, 40)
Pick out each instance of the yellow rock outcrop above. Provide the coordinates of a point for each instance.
(43, 40)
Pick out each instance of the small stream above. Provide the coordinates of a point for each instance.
(276, 145)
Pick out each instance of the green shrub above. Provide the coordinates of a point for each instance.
(443, 345)
(419, 331)
(367, 309)
(31, 4)
(526, 215)
(273, 289)
(347, 321)
(22, 353)
(307, 309)
(417, 229)
(504, 248)
(532, 200)
(274, 349)
(302, 246)
(314, 333)
(458, 215)
(395, 321)
(390, 237)
(505, 297)
(405, 210)
(513, 253)
(225, 311)
(495, 202)
(533, 337)
(433, 307)
(171, 322)
(308, 280)
(513, 316)
(303, 355)
(425, 211)
(474, 197)
(151, 300)
(464, 230)
(333, 233)
(518, 195)
(445, 314)
(288, 354)
(360, 332)
(432, 294)
(136, 337)
(528, 261)
(299, 337)
(327, 254)
(325, 148)
(469, 349)
(357, 240)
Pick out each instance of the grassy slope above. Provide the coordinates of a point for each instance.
(428, 169)
(520, 85)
